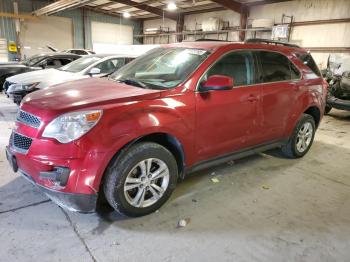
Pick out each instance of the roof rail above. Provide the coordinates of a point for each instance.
(210, 40)
(267, 41)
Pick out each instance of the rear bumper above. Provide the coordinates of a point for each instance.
(84, 203)
(338, 103)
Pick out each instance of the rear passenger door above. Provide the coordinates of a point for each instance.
(278, 78)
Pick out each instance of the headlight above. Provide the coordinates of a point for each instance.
(21, 87)
(71, 126)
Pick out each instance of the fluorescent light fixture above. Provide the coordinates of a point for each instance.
(171, 6)
(152, 29)
(126, 14)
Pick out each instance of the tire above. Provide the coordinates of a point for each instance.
(327, 109)
(129, 170)
(292, 149)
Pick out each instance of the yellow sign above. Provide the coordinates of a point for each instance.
(12, 47)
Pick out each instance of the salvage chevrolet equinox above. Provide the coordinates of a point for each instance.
(177, 109)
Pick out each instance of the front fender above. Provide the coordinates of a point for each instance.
(121, 126)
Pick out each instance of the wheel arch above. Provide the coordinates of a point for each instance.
(315, 112)
(169, 141)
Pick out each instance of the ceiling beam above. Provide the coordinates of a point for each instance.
(265, 2)
(231, 4)
(103, 5)
(119, 9)
(101, 11)
(148, 8)
(18, 16)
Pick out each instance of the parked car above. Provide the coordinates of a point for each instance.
(37, 62)
(93, 65)
(338, 77)
(80, 51)
(175, 110)
(72, 51)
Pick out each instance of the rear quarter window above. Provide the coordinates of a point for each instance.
(307, 60)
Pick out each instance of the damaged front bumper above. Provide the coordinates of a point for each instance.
(84, 203)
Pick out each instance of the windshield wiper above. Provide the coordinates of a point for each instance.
(133, 82)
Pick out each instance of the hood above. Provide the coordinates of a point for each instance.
(46, 77)
(84, 93)
(9, 63)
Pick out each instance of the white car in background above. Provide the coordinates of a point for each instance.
(79, 51)
(87, 66)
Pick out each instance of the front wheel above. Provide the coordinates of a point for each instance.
(141, 179)
(301, 140)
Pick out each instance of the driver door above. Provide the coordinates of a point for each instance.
(228, 120)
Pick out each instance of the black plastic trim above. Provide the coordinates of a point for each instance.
(235, 155)
(83, 203)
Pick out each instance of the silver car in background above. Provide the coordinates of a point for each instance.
(87, 66)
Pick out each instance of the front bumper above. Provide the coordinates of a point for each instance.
(84, 203)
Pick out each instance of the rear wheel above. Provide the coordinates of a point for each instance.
(301, 140)
(141, 179)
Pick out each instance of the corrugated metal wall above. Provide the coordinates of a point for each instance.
(8, 30)
(7, 25)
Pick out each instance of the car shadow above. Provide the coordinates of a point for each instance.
(189, 189)
(246, 183)
(339, 115)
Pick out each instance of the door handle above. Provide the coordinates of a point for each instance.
(252, 98)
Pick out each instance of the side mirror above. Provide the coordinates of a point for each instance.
(94, 71)
(217, 82)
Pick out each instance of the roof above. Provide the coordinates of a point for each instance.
(211, 45)
(56, 54)
(111, 55)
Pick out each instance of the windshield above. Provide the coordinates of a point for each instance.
(31, 61)
(161, 68)
(80, 64)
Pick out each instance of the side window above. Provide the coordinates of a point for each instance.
(52, 63)
(129, 59)
(110, 65)
(310, 62)
(65, 61)
(275, 67)
(238, 65)
(79, 52)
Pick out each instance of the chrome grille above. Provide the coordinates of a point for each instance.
(28, 119)
(20, 142)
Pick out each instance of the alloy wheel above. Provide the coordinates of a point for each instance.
(146, 182)
(304, 137)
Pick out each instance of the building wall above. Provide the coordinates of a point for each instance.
(326, 35)
(166, 24)
(8, 31)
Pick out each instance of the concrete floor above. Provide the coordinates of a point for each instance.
(264, 208)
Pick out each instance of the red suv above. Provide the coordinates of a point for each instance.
(172, 111)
